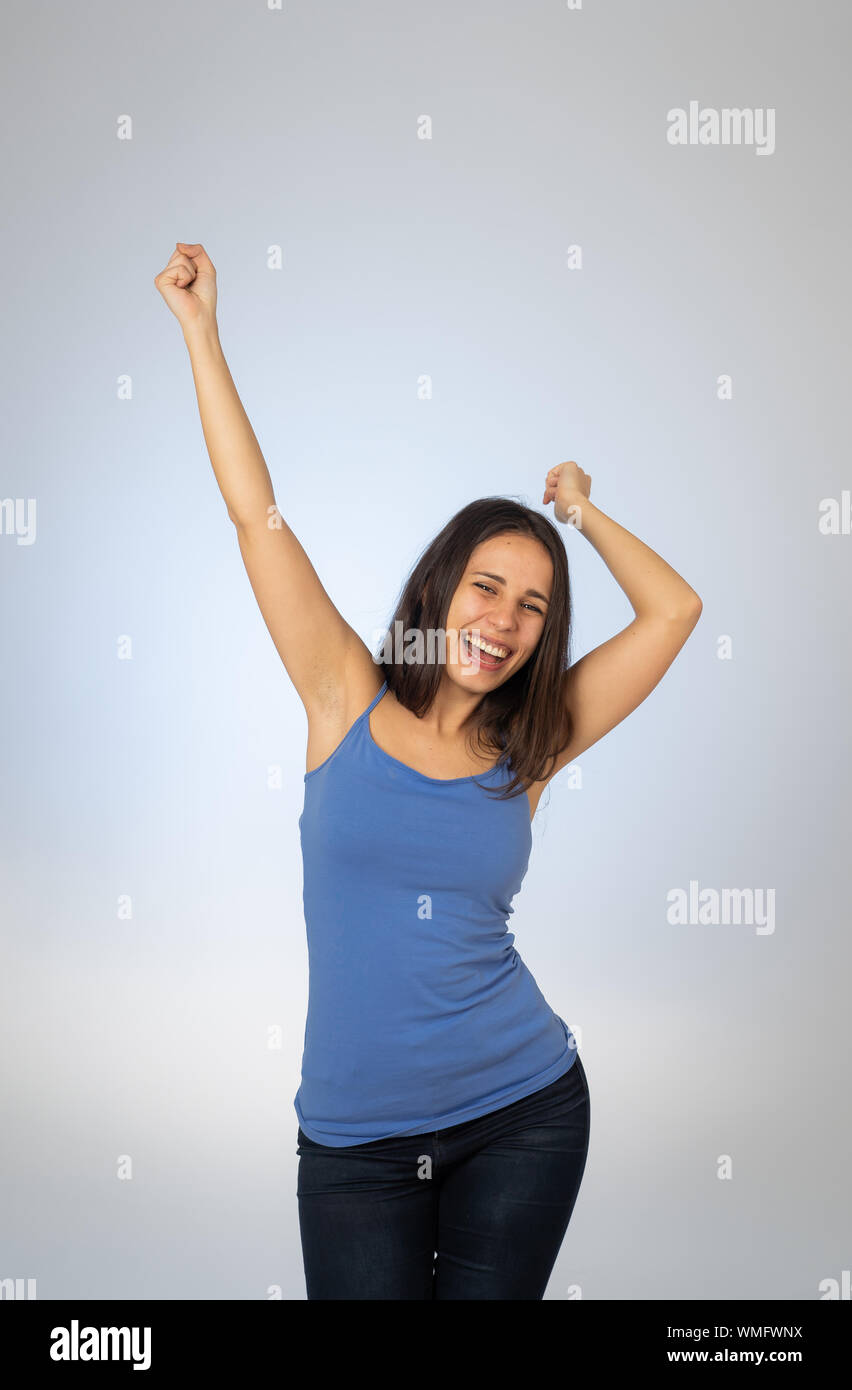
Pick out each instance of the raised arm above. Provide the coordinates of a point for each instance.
(317, 646)
(608, 683)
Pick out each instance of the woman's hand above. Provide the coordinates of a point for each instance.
(562, 486)
(188, 285)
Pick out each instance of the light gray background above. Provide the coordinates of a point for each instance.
(149, 777)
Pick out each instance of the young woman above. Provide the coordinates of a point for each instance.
(443, 1108)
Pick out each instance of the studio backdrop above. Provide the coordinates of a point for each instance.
(456, 244)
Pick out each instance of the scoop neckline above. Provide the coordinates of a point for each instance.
(441, 781)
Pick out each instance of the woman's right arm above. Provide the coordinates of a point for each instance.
(317, 646)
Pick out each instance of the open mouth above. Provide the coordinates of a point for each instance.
(488, 655)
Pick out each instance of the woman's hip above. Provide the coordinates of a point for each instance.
(559, 1111)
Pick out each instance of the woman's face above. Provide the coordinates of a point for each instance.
(502, 600)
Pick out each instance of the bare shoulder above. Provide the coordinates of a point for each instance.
(340, 698)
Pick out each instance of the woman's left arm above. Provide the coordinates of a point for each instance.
(608, 683)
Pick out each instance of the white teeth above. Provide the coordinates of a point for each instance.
(486, 646)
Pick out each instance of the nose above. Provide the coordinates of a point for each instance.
(501, 615)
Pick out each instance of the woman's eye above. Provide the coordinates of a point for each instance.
(479, 585)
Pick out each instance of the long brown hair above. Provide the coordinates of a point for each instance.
(526, 717)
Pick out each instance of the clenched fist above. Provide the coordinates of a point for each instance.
(188, 285)
(563, 486)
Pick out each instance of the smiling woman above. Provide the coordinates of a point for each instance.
(496, 573)
(427, 1039)
(495, 649)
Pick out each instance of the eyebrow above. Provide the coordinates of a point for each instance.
(533, 593)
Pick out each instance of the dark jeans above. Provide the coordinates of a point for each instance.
(476, 1211)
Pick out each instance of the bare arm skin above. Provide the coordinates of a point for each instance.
(329, 664)
(315, 643)
(608, 683)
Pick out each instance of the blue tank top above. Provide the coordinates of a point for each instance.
(421, 1014)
